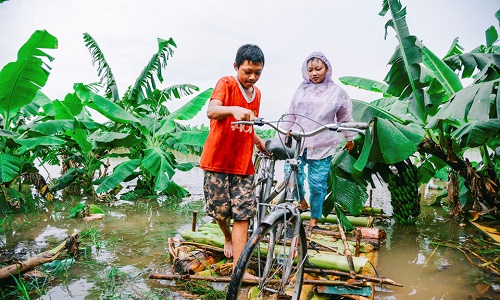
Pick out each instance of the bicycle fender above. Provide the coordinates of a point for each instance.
(276, 214)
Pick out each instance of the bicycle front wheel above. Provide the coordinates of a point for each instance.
(276, 254)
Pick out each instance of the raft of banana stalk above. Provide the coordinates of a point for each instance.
(198, 255)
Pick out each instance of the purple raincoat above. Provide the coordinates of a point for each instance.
(322, 103)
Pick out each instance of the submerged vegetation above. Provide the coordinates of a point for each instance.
(426, 112)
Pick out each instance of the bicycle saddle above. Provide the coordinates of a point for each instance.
(278, 149)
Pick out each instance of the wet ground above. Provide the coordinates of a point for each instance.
(131, 241)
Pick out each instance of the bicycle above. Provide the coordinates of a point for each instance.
(278, 235)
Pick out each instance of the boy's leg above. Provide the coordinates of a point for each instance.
(215, 189)
(225, 226)
(243, 209)
(240, 238)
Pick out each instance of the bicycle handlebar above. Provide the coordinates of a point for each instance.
(350, 126)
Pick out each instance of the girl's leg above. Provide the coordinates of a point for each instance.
(317, 176)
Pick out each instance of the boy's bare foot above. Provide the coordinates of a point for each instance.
(228, 248)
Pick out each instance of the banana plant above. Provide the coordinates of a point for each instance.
(20, 82)
(427, 111)
(158, 133)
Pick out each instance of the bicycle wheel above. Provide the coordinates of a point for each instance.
(280, 260)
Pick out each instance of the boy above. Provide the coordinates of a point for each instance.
(227, 154)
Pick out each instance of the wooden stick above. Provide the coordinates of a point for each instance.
(193, 225)
(252, 281)
(358, 276)
(347, 252)
(70, 243)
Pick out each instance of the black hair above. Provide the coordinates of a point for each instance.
(249, 52)
(316, 58)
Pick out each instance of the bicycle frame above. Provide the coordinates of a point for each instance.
(281, 228)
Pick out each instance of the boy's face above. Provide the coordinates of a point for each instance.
(248, 73)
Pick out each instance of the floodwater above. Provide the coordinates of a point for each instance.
(131, 241)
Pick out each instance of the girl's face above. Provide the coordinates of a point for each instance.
(316, 70)
(248, 73)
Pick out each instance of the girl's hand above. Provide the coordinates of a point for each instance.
(349, 145)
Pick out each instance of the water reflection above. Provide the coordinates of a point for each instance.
(132, 240)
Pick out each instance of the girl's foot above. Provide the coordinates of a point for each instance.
(303, 206)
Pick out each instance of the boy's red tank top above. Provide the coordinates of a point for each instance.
(229, 148)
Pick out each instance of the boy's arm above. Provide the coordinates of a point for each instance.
(217, 111)
(260, 143)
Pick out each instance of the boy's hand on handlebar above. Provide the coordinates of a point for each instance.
(349, 145)
(243, 114)
(260, 143)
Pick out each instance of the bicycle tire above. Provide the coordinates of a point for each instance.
(286, 289)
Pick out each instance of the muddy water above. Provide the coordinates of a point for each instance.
(132, 240)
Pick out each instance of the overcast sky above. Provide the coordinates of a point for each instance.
(208, 32)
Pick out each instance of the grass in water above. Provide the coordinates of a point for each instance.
(202, 289)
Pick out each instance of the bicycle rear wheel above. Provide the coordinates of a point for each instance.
(280, 260)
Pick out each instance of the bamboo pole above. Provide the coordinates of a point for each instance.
(71, 244)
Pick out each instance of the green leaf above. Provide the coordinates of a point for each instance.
(186, 166)
(61, 111)
(364, 112)
(345, 185)
(104, 106)
(52, 127)
(120, 172)
(79, 208)
(186, 112)
(31, 143)
(145, 83)
(80, 136)
(471, 103)
(476, 133)
(21, 80)
(405, 73)
(491, 36)
(178, 91)
(404, 138)
(191, 137)
(94, 209)
(10, 166)
(444, 74)
(367, 149)
(159, 164)
(365, 84)
(343, 221)
(103, 69)
(175, 190)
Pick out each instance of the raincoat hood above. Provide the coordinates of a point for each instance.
(328, 75)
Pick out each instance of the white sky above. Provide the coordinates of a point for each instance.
(208, 33)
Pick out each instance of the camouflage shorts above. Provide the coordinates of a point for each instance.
(229, 196)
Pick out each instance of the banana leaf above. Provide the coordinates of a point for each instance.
(104, 106)
(120, 172)
(10, 166)
(21, 80)
(186, 112)
(389, 142)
